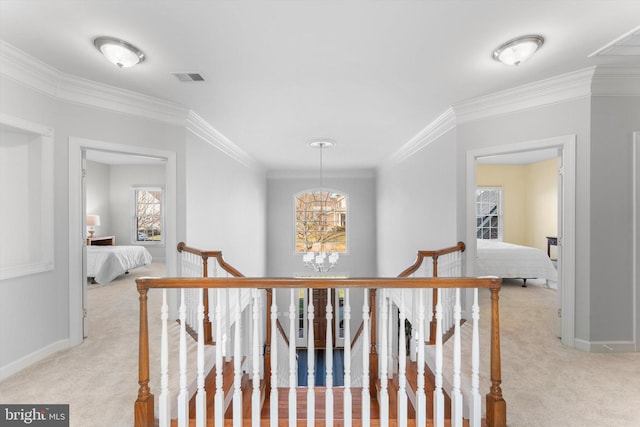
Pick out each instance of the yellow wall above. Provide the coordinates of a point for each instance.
(530, 200)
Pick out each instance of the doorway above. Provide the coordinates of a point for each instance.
(77, 280)
(565, 148)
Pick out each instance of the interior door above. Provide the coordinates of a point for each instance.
(560, 242)
(320, 318)
(85, 326)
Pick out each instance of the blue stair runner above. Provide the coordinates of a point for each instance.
(320, 370)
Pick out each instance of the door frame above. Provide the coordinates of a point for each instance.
(566, 146)
(77, 240)
(636, 240)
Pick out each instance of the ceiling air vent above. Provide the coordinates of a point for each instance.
(189, 77)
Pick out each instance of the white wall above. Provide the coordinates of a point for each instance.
(613, 121)
(360, 261)
(416, 205)
(34, 310)
(225, 204)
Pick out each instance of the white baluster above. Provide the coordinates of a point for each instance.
(273, 409)
(450, 303)
(428, 304)
(456, 395)
(237, 365)
(164, 414)
(390, 364)
(213, 271)
(201, 394)
(311, 397)
(329, 362)
(183, 396)
(255, 397)
(366, 398)
(476, 401)
(384, 381)
(219, 396)
(438, 396)
(292, 362)
(402, 366)
(227, 316)
(190, 321)
(348, 409)
(421, 396)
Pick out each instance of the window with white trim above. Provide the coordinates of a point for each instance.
(148, 215)
(489, 213)
(321, 222)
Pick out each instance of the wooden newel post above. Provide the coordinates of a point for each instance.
(373, 352)
(143, 408)
(495, 403)
(208, 327)
(433, 325)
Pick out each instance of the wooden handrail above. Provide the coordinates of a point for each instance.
(205, 255)
(460, 247)
(182, 247)
(319, 283)
(434, 255)
(358, 333)
(282, 332)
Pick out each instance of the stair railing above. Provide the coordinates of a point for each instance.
(194, 262)
(495, 404)
(445, 262)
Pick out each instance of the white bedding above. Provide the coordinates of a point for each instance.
(105, 263)
(507, 260)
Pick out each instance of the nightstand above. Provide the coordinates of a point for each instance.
(101, 241)
(551, 241)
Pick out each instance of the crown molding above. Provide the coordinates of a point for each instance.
(434, 130)
(22, 68)
(562, 88)
(202, 129)
(593, 81)
(25, 69)
(616, 81)
(86, 92)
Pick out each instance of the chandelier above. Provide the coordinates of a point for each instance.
(321, 261)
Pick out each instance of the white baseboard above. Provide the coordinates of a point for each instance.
(28, 360)
(605, 346)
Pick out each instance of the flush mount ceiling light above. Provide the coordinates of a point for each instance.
(119, 52)
(518, 50)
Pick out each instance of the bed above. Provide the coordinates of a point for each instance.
(506, 260)
(105, 263)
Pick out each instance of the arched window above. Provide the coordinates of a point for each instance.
(321, 222)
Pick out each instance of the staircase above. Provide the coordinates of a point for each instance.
(320, 395)
(242, 306)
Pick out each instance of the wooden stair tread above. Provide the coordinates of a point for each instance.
(429, 387)
(210, 387)
(320, 393)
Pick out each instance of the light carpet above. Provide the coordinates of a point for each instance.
(544, 383)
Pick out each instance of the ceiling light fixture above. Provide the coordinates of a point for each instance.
(518, 50)
(119, 52)
(318, 261)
